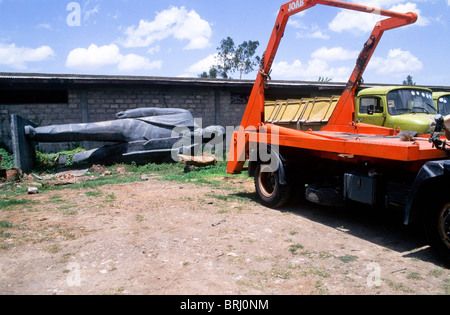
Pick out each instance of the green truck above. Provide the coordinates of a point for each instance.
(442, 101)
(408, 108)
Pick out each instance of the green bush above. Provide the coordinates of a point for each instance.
(7, 159)
(49, 161)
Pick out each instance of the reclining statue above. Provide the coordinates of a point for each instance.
(133, 125)
(141, 135)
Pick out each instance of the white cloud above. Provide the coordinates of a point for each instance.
(397, 63)
(304, 31)
(176, 22)
(335, 53)
(44, 26)
(18, 57)
(200, 66)
(131, 63)
(358, 22)
(94, 58)
(313, 32)
(448, 3)
(90, 12)
(412, 7)
(154, 50)
(311, 71)
(317, 66)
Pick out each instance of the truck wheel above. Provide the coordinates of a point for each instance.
(438, 229)
(269, 189)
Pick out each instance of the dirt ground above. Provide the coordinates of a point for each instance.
(157, 237)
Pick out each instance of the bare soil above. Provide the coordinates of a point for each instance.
(157, 237)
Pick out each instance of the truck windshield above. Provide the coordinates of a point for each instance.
(410, 101)
(444, 105)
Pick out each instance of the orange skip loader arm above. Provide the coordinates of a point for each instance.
(343, 116)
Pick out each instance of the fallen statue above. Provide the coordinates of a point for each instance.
(141, 135)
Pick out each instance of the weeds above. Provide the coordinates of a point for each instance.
(7, 203)
(7, 159)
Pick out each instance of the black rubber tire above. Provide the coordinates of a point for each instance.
(271, 193)
(437, 228)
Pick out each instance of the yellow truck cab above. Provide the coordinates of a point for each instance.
(442, 101)
(408, 108)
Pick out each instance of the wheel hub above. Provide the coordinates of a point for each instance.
(267, 183)
(444, 225)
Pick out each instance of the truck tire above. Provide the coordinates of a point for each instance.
(271, 193)
(438, 230)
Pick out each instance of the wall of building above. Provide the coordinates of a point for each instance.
(214, 105)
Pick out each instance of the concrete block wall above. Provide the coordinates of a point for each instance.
(101, 103)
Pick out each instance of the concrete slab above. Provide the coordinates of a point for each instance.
(23, 149)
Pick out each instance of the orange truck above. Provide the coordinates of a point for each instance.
(345, 161)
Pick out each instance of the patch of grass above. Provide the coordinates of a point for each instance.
(94, 193)
(53, 249)
(5, 225)
(56, 199)
(7, 159)
(398, 286)
(414, 276)
(320, 289)
(436, 273)
(348, 258)
(295, 247)
(210, 175)
(282, 273)
(110, 198)
(49, 162)
(315, 271)
(446, 286)
(6, 203)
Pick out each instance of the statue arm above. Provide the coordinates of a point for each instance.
(146, 112)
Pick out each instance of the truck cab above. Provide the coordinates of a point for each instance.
(406, 108)
(442, 101)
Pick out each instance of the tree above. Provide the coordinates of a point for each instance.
(409, 81)
(225, 57)
(231, 59)
(325, 79)
(211, 74)
(243, 59)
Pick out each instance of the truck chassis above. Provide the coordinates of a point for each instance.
(346, 161)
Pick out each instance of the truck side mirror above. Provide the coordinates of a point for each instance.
(370, 109)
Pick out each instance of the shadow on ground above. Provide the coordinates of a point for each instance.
(379, 226)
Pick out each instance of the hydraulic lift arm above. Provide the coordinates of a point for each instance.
(344, 112)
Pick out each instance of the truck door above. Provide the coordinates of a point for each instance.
(371, 111)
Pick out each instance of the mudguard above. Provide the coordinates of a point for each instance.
(434, 170)
(254, 161)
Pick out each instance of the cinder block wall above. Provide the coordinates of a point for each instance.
(101, 103)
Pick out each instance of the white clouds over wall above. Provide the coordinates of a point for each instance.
(317, 66)
(201, 66)
(19, 57)
(94, 58)
(398, 63)
(356, 22)
(175, 22)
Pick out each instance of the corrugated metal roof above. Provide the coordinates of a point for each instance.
(115, 79)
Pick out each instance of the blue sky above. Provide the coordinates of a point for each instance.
(172, 38)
